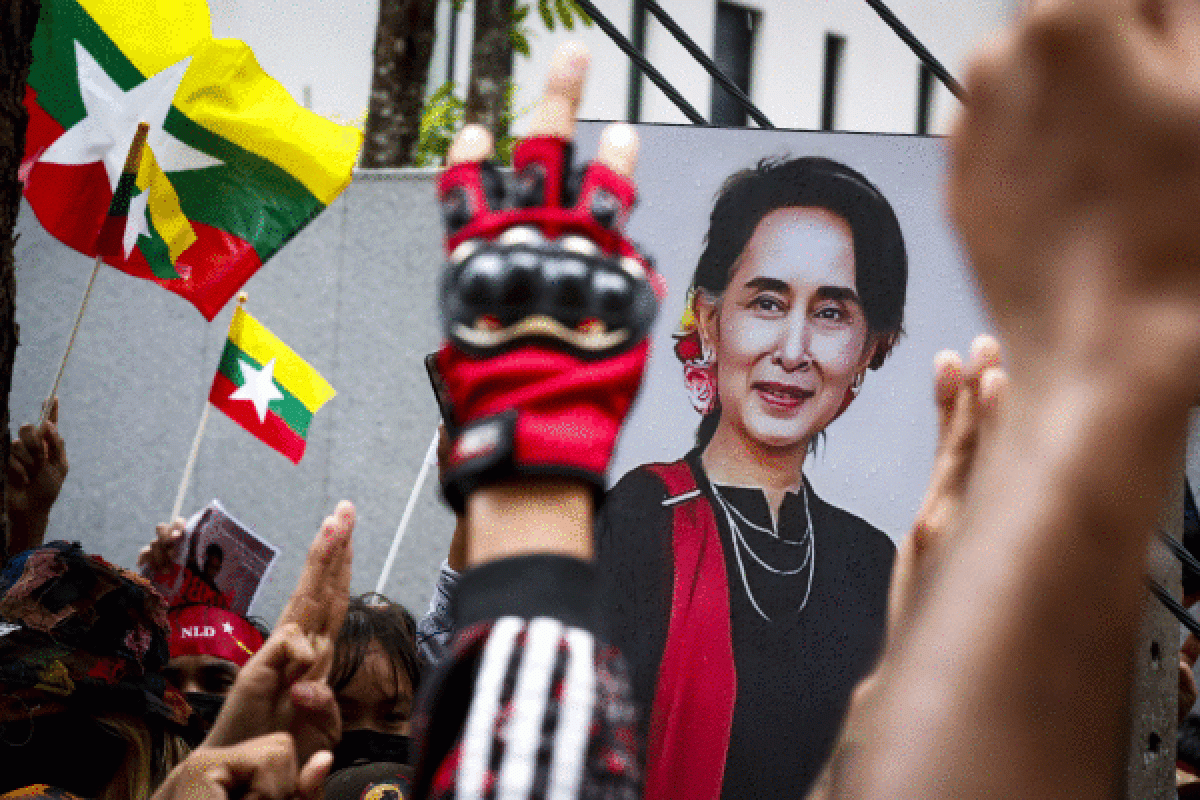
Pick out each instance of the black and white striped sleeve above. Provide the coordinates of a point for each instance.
(531, 703)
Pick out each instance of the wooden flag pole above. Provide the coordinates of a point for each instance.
(430, 460)
(191, 462)
(133, 161)
(191, 459)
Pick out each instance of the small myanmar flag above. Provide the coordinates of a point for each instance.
(233, 166)
(266, 388)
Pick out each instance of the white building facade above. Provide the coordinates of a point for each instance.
(808, 63)
(875, 81)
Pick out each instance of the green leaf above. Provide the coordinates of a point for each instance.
(520, 41)
(583, 16)
(519, 14)
(440, 119)
(547, 14)
(564, 13)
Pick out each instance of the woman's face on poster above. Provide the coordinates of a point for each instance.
(789, 335)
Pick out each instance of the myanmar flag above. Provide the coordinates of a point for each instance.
(266, 388)
(233, 166)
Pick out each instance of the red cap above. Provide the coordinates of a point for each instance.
(212, 631)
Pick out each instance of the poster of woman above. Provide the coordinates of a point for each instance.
(781, 443)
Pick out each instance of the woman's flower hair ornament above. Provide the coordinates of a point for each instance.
(699, 368)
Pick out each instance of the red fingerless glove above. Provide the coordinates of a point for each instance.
(546, 308)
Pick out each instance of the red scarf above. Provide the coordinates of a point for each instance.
(692, 716)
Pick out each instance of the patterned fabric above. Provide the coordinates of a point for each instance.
(76, 630)
(39, 791)
(436, 628)
(550, 716)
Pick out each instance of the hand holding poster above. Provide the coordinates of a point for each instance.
(220, 562)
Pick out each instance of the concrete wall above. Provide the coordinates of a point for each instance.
(352, 294)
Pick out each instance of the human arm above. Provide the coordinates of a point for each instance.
(531, 695)
(964, 394)
(283, 688)
(37, 467)
(436, 628)
(159, 557)
(1079, 218)
(266, 766)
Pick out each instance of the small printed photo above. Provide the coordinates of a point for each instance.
(222, 563)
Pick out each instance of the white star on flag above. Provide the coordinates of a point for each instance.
(225, 626)
(107, 131)
(258, 386)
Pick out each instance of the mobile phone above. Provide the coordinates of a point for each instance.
(441, 394)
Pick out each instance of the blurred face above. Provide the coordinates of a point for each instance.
(374, 699)
(789, 334)
(212, 564)
(207, 674)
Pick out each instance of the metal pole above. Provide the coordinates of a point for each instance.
(919, 49)
(633, 106)
(653, 74)
(706, 62)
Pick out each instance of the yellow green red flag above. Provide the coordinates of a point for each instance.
(266, 388)
(234, 167)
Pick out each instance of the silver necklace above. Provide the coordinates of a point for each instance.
(733, 515)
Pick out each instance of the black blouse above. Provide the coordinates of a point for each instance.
(809, 610)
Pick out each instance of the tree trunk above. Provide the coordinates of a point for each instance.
(17, 24)
(491, 66)
(403, 48)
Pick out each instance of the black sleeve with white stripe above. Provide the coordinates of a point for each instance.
(531, 703)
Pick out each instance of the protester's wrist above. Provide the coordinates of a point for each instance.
(26, 529)
(531, 586)
(1075, 446)
(530, 516)
(1138, 350)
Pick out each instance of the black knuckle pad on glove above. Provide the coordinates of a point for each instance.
(530, 268)
(504, 295)
(529, 187)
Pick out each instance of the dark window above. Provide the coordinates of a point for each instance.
(451, 42)
(733, 50)
(925, 87)
(835, 43)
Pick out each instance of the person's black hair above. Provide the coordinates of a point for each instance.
(880, 258)
(372, 617)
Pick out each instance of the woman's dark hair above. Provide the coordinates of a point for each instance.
(880, 260)
(372, 617)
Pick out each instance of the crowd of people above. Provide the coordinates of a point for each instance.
(680, 635)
